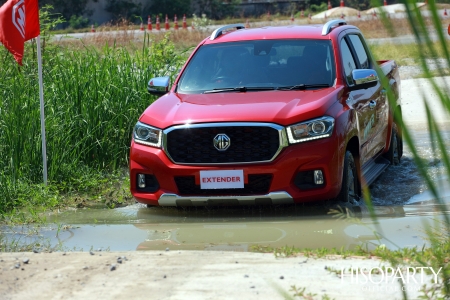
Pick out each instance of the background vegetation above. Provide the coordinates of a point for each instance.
(76, 13)
(93, 97)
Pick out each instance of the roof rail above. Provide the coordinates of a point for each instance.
(218, 32)
(330, 24)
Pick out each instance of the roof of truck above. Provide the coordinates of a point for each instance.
(229, 33)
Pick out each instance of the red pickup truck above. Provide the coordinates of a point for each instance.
(270, 115)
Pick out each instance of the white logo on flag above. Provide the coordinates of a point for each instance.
(18, 17)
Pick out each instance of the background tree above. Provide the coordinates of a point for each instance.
(67, 8)
(216, 9)
(169, 7)
(124, 9)
(360, 4)
(77, 22)
(357, 4)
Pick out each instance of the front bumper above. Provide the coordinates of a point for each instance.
(321, 155)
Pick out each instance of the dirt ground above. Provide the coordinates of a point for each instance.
(189, 275)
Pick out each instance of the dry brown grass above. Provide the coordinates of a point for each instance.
(125, 35)
(443, 5)
(184, 39)
(376, 29)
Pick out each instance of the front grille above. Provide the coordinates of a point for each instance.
(247, 144)
(258, 184)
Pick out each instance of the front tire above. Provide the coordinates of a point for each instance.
(349, 194)
(395, 151)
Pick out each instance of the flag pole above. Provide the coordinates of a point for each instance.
(41, 97)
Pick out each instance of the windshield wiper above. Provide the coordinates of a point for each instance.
(303, 86)
(240, 89)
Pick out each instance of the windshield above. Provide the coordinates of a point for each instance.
(259, 65)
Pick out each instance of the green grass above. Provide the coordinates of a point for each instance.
(407, 54)
(93, 97)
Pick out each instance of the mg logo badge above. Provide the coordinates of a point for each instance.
(221, 142)
(18, 17)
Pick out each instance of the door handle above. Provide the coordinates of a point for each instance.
(372, 104)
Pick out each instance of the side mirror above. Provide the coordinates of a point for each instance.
(158, 85)
(364, 79)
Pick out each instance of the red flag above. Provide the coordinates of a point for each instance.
(19, 22)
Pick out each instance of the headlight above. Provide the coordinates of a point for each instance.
(310, 130)
(147, 135)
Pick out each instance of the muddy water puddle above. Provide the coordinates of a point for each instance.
(402, 206)
(236, 229)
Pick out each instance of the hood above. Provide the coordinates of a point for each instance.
(280, 107)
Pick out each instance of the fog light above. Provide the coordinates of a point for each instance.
(318, 177)
(146, 183)
(141, 181)
(312, 179)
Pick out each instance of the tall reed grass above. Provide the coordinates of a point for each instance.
(429, 52)
(93, 97)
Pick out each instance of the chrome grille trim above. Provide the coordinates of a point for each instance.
(282, 137)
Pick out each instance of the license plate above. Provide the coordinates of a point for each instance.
(228, 179)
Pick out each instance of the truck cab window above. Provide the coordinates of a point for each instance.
(360, 51)
(347, 61)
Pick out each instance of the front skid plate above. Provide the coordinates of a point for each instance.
(271, 198)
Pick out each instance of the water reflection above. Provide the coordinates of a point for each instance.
(287, 226)
(234, 228)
